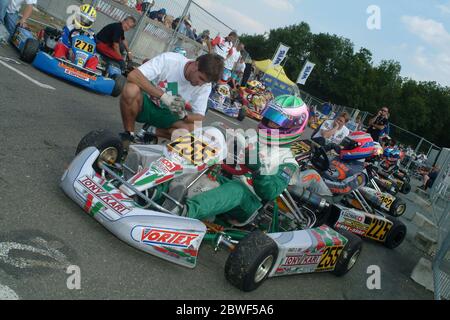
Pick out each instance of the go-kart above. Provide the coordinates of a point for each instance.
(254, 101)
(359, 206)
(140, 200)
(223, 103)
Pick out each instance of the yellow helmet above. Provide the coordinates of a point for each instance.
(86, 17)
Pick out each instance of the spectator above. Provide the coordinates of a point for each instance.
(231, 60)
(146, 5)
(168, 20)
(224, 46)
(158, 15)
(9, 13)
(112, 37)
(333, 131)
(248, 70)
(378, 124)
(186, 28)
(205, 40)
(429, 178)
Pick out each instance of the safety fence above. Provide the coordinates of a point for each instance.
(150, 37)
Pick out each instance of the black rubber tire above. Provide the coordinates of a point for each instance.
(102, 140)
(30, 50)
(244, 261)
(406, 188)
(398, 208)
(396, 235)
(241, 115)
(120, 82)
(352, 248)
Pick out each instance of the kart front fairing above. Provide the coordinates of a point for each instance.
(170, 237)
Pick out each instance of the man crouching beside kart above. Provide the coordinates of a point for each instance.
(283, 122)
(157, 92)
(83, 21)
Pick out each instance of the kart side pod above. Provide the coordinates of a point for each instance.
(170, 237)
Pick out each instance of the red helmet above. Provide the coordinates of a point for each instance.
(357, 145)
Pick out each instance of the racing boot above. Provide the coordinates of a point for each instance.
(147, 135)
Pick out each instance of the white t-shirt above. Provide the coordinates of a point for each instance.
(223, 47)
(337, 137)
(169, 68)
(15, 5)
(231, 61)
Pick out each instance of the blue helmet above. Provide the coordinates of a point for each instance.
(180, 50)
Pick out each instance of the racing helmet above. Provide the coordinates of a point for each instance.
(223, 92)
(180, 50)
(85, 18)
(377, 150)
(357, 145)
(284, 120)
(391, 153)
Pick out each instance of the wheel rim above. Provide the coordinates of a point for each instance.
(263, 269)
(401, 209)
(109, 155)
(353, 259)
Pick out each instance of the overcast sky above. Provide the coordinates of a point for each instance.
(414, 32)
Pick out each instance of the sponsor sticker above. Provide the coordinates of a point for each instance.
(158, 236)
(103, 196)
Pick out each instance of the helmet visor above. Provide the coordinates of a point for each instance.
(275, 115)
(85, 21)
(349, 144)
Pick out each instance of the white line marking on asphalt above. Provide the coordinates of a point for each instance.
(42, 85)
(225, 118)
(6, 293)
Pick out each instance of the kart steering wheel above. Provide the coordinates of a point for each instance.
(319, 158)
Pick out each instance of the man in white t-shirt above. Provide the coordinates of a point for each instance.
(224, 48)
(9, 13)
(333, 131)
(158, 92)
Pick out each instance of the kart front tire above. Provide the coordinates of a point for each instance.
(249, 265)
(108, 143)
(30, 50)
(349, 255)
(396, 235)
(406, 188)
(241, 115)
(120, 82)
(397, 208)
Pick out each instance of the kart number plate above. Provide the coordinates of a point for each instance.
(386, 201)
(379, 229)
(329, 258)
(84, 46)
(193, 150)
(300, 148)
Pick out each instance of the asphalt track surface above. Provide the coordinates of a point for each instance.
(42, 232)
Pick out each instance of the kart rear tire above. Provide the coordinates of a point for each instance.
(241, 115)
(397, 233)
(30, 50)
(406, 188)
(249, 265)
(349, 255)
(398, 208)
(103, 140)
(120, 82)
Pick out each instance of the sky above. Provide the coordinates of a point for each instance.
(414, 32)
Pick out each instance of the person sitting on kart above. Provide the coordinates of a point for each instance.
(83, 21)
(111, 40)
(147, 96)
(283, 122)
(346, 171)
